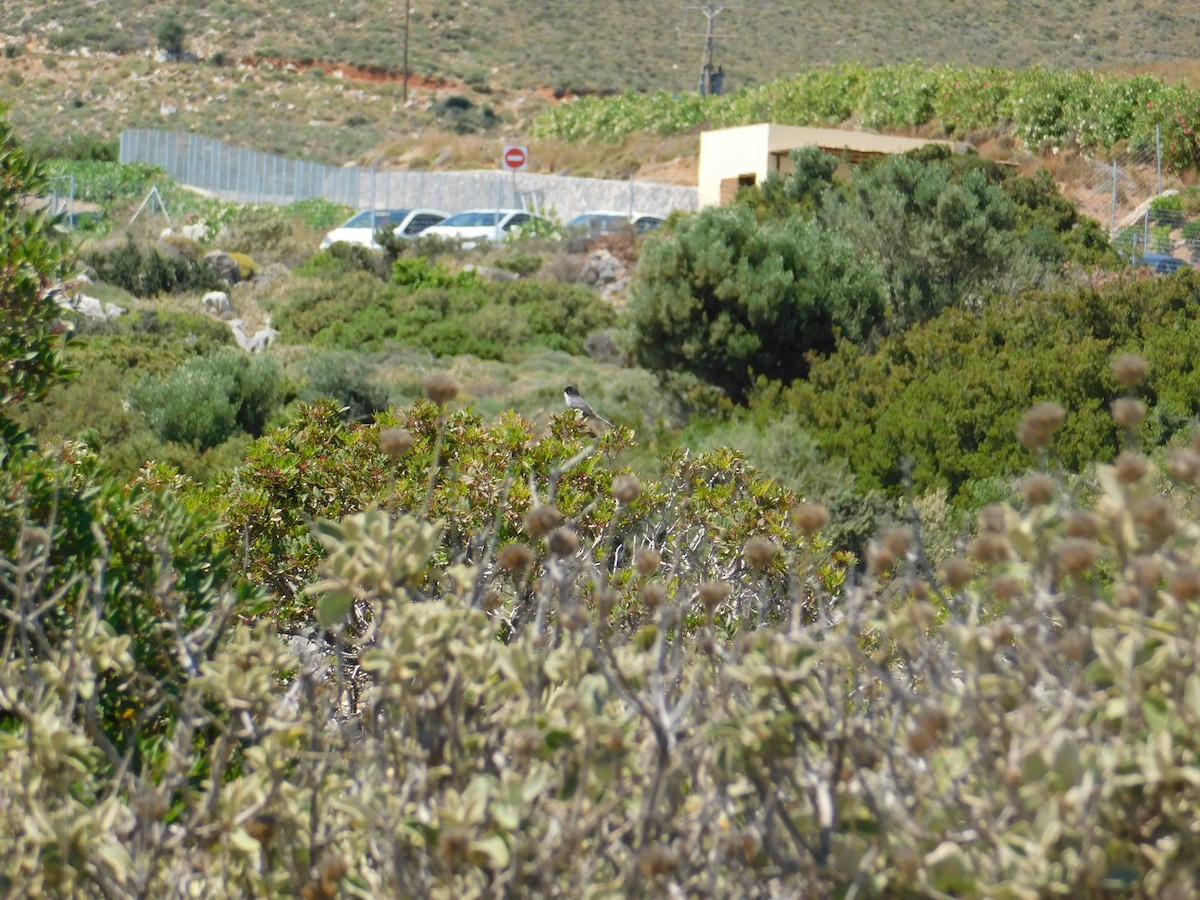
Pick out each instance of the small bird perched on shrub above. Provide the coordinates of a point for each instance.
(575, 401)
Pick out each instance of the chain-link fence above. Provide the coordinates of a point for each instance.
(1139, 203)
(250, 176)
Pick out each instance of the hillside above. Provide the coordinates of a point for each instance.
(323, 83)
(605, 45)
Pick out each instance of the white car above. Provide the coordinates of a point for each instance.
(477, 226)
(603, 221)
(361, 228)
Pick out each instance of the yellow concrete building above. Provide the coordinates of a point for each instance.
(731, 158)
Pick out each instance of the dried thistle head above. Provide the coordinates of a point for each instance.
(654, 595)
(395, 442)
(1145, 571)
(515, 558)
(713, 594)
(879, 558)
(562, 542)
(1077, 555)
(441, 389)
(527, 743)
(454, 845)
(1128, 412)
(646, 560)
(993, 519)
(1039, 424)
(759, 553)
(1083, 524)
(1130, 468)
(990, 549)
(956, 572)
(1156, 516)
(606, 600)
(542, 519)
(1183, 463)
(1130, 369)
(810, 517)
(1007, 587)
(658, 860)
(1037, 489)
(626, 488)
(1184, 583)
(897, 541)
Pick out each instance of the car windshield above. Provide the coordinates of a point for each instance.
(471, 220)
(381, 217)
(596, 220)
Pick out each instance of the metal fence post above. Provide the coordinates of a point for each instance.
(1158, 155)
(1114, 199)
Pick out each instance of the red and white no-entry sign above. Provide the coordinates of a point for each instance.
(515, 157)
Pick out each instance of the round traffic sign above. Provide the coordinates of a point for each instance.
(515, 157)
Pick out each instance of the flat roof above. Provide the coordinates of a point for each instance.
(785, 138)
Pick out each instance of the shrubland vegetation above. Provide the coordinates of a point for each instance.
(1090, 109)
(732, 296)
(907, 609)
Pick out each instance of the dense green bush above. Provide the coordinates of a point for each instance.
(345, 378)
(318, 466)
(147, 270)
(31, 260)
(110, 356)
(171, 34)
(727, 299)
(445, 313)
(76, 542)
(947, 395)
(209, 398)
(729, 296)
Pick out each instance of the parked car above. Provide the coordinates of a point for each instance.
(1161, 263)
(361, 228)
(477, 226)
(602, 221)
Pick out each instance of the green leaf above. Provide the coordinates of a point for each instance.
(491, 852)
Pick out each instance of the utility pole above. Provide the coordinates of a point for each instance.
(710, 76)
(407, 14)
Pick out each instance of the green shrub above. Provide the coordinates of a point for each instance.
(171, 35)
(317, 212)
(207, 399)
(343, 257)
(317, 466)
(445, 313)
(346, 379)
(727, 299)
(31, 260)
(147, 271)
(88, 544)
(947, 396)
(414, 272)
(523, 264)
(756, 289)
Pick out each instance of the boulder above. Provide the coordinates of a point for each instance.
(216, 303)
(252, 343)
(602, 268)
(225, 266)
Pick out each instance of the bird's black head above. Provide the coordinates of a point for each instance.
(570, 391)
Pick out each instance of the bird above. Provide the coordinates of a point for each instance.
(575, 401)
